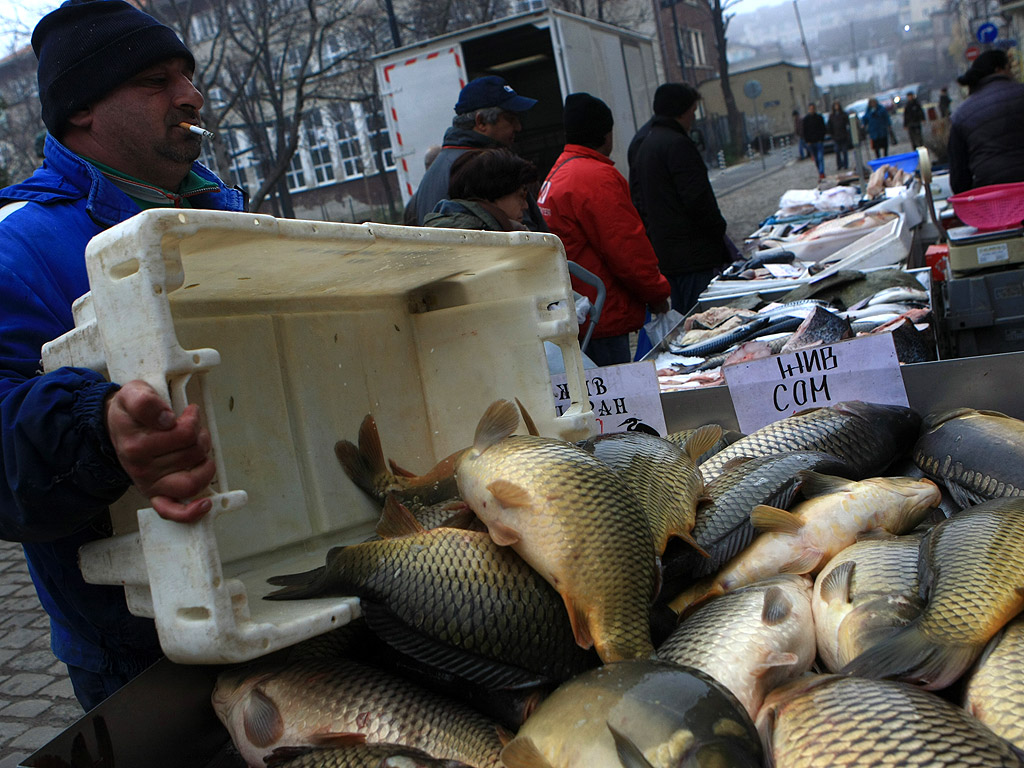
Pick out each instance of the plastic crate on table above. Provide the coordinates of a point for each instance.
(288, 333)
(908, 161)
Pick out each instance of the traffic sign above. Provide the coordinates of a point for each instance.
(987, 32)
(752, 89)
(972, 52)
(1006, 43)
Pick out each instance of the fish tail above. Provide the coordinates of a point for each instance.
(298, 585)
(911, 656)
(364, 464)
(702, 591)
(498, 422)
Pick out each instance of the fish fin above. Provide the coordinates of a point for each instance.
(396, 520)
(688, 538)
(510, 494)
(462, 517)
(498, 422)
(580, 625)
(776, 608)
(296, 586)
(702, 440)
(629, 753)
(777, 659)
(775, 520)
(964, 497)
(836, 584)
(325, 739)
(817, 484)
(398, 470)
(521, 752)
(502, 535)
(283, 755)
(261, 719)
(737, 461)
(444, 657)
(808, 559)
(911, 657)
(687, 601)
(358, 467)
(531, 427)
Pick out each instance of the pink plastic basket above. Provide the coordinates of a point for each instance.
(998, 206)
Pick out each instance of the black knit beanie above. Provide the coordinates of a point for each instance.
(673, 99)
(587, 120)
(87, 48)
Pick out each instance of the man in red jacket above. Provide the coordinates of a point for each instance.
(585, 201)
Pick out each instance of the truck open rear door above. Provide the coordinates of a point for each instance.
(419, 99)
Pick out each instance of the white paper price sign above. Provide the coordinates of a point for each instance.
(624, 397)
(772, 388)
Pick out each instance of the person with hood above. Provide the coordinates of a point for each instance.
(986, 138)
(488, 190)
(73, 442)
(487, 116)
(683, 221)
(878, 126)
(586, 202)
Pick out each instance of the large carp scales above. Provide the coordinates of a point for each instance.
(574, 520)
(663, 476)
(453, 599)
(805, 539)
(995, 690)
(866, 436)
(830, 720)
(978, 455)
(640, 713)
(972, 576)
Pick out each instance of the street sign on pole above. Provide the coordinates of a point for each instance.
(987, 32)
(752, 89)
(972, 52)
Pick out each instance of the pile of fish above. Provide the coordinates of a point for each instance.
(840, 587)
(842, 306)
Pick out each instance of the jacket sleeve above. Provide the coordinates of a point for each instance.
(614, 228)
(59, 467)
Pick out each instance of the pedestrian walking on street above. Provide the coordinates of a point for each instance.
(839, 130)
(798, 134)
(944, 102)
(814, 135)
(913, 119)
(878, 126)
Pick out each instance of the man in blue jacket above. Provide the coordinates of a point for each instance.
(114, 86)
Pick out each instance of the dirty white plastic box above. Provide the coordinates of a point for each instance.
(287, 333)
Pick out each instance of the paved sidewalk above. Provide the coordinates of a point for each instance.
(36, 699)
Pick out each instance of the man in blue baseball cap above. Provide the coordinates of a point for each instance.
(486, 117)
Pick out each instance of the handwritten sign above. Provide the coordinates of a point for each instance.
(772, 388)
(625, 398)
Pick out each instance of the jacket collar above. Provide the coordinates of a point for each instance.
(578, 150)
(661, 121)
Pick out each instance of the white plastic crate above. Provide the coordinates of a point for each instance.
(287, 333)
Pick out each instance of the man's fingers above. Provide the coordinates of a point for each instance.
(141, 402)
(181, 512)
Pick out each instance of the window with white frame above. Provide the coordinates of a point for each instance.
(204, 26)
(380, 139)
(318, 141)
(346, 134)
(296, 173)
(695, 46)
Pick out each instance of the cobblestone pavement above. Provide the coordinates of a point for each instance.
(36, 699)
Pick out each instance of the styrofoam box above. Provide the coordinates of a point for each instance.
(288, 333)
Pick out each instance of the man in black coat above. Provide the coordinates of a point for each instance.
(913, 120)
(679, 207)
(986, 141)
(814, 136)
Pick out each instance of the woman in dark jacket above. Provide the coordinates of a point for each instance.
(487, 191)
(986, 140)
(839, 130)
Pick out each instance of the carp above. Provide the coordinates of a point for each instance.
(995, 690)
(575, 521)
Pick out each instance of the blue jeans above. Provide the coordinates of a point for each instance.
(91, 688)
(842, 156)
(818, 152)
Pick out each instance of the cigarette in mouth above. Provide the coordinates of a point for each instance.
(196, 130)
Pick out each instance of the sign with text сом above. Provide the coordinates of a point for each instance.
(624, 397)
(766, 390)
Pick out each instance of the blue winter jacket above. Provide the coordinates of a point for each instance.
(59, 467)
(877, 123)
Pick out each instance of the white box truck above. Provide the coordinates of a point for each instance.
(545, 55)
